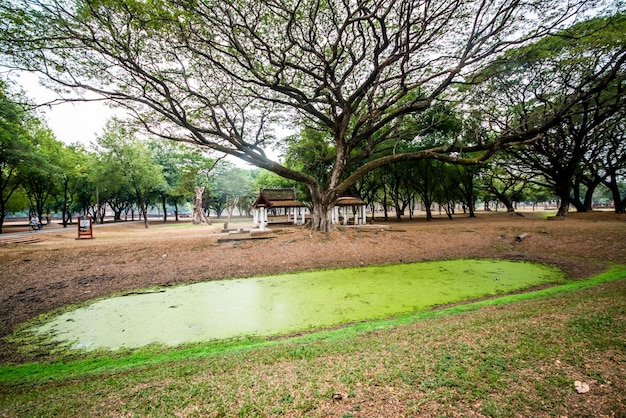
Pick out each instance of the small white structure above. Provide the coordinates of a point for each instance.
(278, 199)
(347, 206)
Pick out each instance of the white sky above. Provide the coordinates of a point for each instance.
(80, 122)
(77, 122)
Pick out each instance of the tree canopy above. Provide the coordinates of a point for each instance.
(550, 71)
(226, 74)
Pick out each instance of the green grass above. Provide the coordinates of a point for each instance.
(510, 356)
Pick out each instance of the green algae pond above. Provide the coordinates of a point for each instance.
(288, 303)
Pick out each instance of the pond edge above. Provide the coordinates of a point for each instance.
(36, 373)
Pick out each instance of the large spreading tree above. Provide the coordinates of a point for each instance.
(550, 70)
(226, 74)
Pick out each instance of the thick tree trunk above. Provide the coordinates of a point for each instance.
(449, 209)
(588, 201)
(507, 201)
(580, 207)
(620, 206)
(563, 193)
(144, 210)
(399, 211)
(472, 213)
(576, 200)
(591, 188)
(619, 203)
(321, 219)
(321, 215)
(563, 208)
(427, 207)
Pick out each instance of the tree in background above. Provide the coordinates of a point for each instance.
(181, 163)
(132, 160)
(42, 177)
(614, 159)
(267, 179)
(15, 150)
(108, 186)
(369, 188)
(550, 71)
(505, 181)
(39, 173)
(466, 176)
(536, 193)
(71, 161)
(228, 182)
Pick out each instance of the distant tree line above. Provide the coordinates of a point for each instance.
(120, 172)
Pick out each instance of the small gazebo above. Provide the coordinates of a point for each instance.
(346, 205)
(278, 199)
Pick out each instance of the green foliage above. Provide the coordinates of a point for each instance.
(365, 79)
(227, 183)
(183, 165)
(574, 46)
(234, 182)
(370, 85)
(18, 202)
(440, 124)
(43, 175)
(527, 86)
(428, 180)
(267, 179)
(29, 157)
(310, 152)
(128, 166)
(597, 35)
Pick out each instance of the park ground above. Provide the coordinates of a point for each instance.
(516, 360)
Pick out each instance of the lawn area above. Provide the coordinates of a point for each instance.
(510, 355)
(516, 356)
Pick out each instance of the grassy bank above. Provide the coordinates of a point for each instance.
(514, 356)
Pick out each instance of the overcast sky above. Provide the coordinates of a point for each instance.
(77, 122)
(71, 122)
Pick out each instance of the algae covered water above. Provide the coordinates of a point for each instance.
(273, 305)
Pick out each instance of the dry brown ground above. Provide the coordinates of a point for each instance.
(60, 270)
